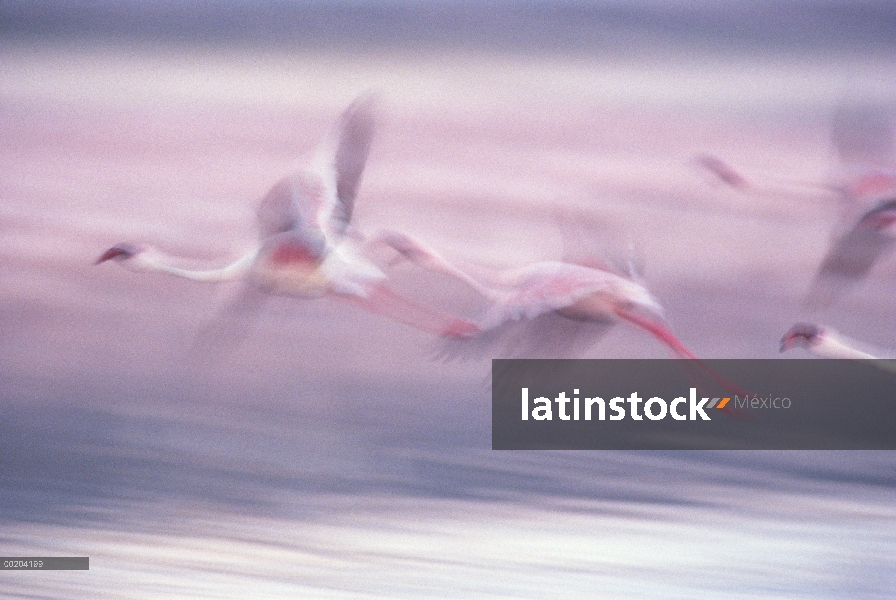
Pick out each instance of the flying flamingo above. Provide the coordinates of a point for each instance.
(541, 303)
(864, 140)
(866, 187)
(762, 185)
(824, 342)
(821, 341)
(305, 248)
(550, 309)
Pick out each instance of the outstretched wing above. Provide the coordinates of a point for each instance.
(354, 133)
(278, 211)
(547, 335)
(852, 256)
(230, 325)
(317, 201)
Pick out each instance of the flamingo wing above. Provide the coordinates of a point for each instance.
(547, 335)
(595, 243)
(230, 325)
(355, 132)
(852, 256)
(523, 319)
(321, 195)
(278, 211)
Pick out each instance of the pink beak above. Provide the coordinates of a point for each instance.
(787, 342)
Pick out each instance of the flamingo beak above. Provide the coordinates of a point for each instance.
(787, 342)
(800, 334)
(119, 252)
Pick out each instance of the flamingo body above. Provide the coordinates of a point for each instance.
(574, 291)
(547, 306)
(286, 266)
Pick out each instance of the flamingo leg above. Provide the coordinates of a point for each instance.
(382, 300)
(657, 330)
(663, 334)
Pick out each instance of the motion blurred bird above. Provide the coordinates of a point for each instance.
(821, 341)
(761, 184)
(865, 187)
(306, 249)
(864, 141)
(553, 309)
(855, 251)
(546, 309)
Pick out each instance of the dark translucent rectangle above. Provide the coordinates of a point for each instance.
(772, 404)
(45, 563)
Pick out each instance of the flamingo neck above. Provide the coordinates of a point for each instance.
(667, 337)
(658, 330)
(832, 346)
(160, 263)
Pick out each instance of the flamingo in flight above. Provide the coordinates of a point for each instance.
(770, 184)
(551, 309)
(824, 342)
(864, 140)
(855, 251)
(306, 249)
(549, 306)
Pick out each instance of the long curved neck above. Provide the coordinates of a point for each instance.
(832, 346)
(160, 263)
(426, 258)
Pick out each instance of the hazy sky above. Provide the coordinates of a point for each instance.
(581, 27)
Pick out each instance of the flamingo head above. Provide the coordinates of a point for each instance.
(119, 252)
(801, 335)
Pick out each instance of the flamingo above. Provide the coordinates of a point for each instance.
(547, 306)
(775, 186)
(864, 141)
(821, 341)
(551, 309)
(854, 252)
(824, 342)
(863, 138)
(306, 249)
